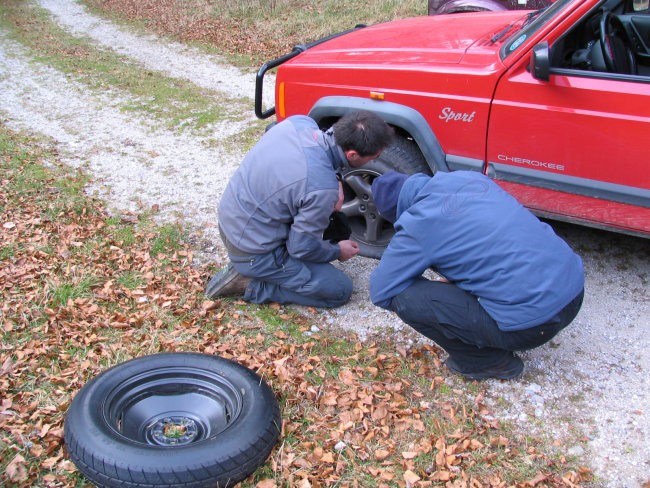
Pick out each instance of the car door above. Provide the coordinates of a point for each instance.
(575, 146)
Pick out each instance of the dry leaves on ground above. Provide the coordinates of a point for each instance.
(81, 291)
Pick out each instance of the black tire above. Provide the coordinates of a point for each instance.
(175, 420)
(372, 232)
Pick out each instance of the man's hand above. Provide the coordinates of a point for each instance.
(349, 249)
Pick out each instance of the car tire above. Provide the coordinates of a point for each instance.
(369, 229)
(174, 420)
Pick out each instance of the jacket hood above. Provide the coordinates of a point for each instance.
(410, 190)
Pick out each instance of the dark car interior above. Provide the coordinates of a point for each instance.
(614, 38)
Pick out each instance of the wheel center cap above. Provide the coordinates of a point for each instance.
(173, 431)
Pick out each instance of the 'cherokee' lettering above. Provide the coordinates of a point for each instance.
(531, 162)
(448, 114)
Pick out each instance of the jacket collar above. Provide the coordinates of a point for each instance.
(337, 156)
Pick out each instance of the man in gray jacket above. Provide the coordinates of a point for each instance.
(278, 203)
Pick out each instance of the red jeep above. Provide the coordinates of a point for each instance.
(553, 104)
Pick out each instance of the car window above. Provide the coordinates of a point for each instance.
(611, 42)
(533, 22)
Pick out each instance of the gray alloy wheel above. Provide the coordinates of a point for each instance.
(369, 229)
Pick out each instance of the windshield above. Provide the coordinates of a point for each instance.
(532, 22)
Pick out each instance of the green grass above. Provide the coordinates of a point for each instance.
(244, 140)
(167, 240)
(32, 177)
(7, 251)
(131, 280)
(70, 291)
(122, 234)
(280, 322)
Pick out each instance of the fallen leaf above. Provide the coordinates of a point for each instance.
(209, 305)
(410, 477)
(267, 483)
(6, 367)
(16, 469)
(381, 454)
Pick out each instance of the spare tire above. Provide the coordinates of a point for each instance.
(174, 419)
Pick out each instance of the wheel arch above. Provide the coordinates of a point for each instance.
(405, 119)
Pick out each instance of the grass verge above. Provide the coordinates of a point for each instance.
(82, 290)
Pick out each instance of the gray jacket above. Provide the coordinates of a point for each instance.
(284, 192)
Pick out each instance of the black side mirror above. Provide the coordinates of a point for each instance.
(540, 64)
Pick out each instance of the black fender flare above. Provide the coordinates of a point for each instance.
(401, 116)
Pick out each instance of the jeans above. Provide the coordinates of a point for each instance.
(278, 277)
(457, 322)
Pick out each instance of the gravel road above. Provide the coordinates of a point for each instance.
(590, 385)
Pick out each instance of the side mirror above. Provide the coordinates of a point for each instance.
(540, 65)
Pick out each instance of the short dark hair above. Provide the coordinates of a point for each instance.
(364, 132)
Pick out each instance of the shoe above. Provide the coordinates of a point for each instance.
(509, 368)
(227, 282)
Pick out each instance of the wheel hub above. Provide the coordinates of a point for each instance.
(366, 223)
(174, 430)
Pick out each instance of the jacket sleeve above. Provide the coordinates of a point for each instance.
(401, 264)
(305, 241)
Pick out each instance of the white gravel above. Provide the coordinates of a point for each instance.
(171, 58)
(591, 382)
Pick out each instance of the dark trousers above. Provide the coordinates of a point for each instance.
(278, 277)
(457, 322)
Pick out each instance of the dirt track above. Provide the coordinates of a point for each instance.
(592, 381)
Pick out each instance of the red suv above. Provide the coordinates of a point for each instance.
(552, 104)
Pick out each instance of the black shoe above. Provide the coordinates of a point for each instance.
(227, 282)
(509, 368)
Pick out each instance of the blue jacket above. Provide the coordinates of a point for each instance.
(284, 192)
(480, 238)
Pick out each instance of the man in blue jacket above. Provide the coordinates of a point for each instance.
(509, 282)
(278, 204)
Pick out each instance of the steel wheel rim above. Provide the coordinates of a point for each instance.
(172, 407)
